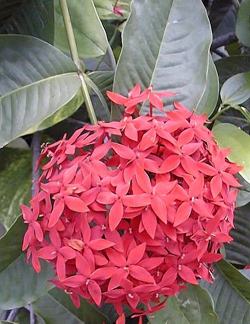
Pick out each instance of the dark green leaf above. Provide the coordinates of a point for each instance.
(243, 196)
(222, 14)
(171, 53)
(230, 136)
(236, 90)
(230, 66)
(20, 285)
(243, 23)
(238, 250)
(43, 19)
(191, 306)
(56, 308)
(11, 244)
(15, 183)
(231, 294)
(29, 17)
(36, 80)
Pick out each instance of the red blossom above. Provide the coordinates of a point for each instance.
(129, 221)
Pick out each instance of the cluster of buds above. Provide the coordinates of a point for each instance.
(132, 220)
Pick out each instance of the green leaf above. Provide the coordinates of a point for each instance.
(29, 17)
(230, 66)
(36, 80)
(105, 8)
(238, 251)
(191, 306)
(171, 53)
(243, 23)
(222, 16)
(103, 79)
(11, 244)
(243, 196)
(236, 90)
(209, 98)
(231, 294)
(43, 19)
(15, 183)
(64, 112)
(230, 136)
(90, 35)
(21, 285)
(56, 308)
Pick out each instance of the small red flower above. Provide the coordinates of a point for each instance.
(129, 221)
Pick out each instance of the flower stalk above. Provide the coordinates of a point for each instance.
(76, 59)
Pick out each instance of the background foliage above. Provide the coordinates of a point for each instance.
(198, 49)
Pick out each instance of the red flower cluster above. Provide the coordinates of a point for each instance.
(128, 221)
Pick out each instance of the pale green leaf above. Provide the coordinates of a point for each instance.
(15, 183)
(236, 89)
(191, 306)
(243, 23)
(56, 307)
(230, 136)
(21, 285)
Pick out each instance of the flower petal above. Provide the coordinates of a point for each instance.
(115, 215)
(140, 274)
(75, 204)
(182, 214)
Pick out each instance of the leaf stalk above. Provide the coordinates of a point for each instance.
(76, 59)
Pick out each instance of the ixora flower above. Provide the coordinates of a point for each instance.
(131, 221)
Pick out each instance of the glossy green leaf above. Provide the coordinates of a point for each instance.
(11, 244)
(15, 183)
(43, 19)
(231, 294)
(236, 90)
(238, 250)
(209, 98)
(36, 80)
(243, 23)
(21, 285)
(229, 66)
(64, 112)
(230, 136)
(90, 36)
(56, 308)
(191, 306)
(171, 53)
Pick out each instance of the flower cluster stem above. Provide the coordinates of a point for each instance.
(76, 59)
(225, 107)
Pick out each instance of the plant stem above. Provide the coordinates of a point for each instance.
(12, 315)
(219, 112)
(36, 144)
(32, 315)
(76, 59)
(241, 109)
